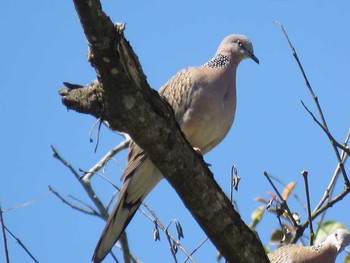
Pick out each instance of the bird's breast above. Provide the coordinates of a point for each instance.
(209, 116)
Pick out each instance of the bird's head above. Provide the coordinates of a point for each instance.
(238, 46)
(340, 239)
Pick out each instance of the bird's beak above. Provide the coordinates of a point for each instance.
(253, 57)
(250, 54)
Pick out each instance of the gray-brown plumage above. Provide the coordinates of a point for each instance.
(204, 101)
(325, 252)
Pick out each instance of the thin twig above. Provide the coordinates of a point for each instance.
(197, 248)
(83, 203)
(293, 193)
(312, 235)
(335, 144)
(110, 202)
(172, 244)
(125, 247)
(330, 188)
(30, 202)
(75, 207)
(84, 183)
(22, 245)
(99, 122)
(103, 177)
(4, 236)
(64, 200)
(114, 257)
(154, 218)
(318, 212)
(123, 145)
(324, 123)
(135, 259)
(326, 131)
(336, 199)
(90, 192)
(283, 202)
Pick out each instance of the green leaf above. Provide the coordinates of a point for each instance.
(276, 236)
(257, 216)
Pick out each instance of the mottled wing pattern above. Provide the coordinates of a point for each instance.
(177, 92)
(135, 157)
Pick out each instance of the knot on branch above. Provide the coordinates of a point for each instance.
(84, 99)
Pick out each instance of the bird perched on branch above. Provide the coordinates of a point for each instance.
(325, 252)
(204, 102)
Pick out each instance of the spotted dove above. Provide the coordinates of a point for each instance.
(325, 252)
(204, 102)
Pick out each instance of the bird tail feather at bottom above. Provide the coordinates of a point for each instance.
(133, 192)
(114, 228)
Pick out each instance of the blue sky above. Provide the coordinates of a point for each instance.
(43, 45)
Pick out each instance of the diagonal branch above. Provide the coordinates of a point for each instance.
(326, 131)
(323, 123)
(80, 209)
(124, 99)
(154, 218)
(128, 257)
(284, 204)
(87, 186)
(319, 211)
(4, 238)
(330, 188)
(103, 213)
(124, 144)
(335, 144)
(19, 242)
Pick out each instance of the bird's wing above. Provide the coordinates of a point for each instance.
(177, 91)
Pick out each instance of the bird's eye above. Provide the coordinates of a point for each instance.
(239, 43)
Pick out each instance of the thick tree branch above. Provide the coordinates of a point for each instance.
(128, 104)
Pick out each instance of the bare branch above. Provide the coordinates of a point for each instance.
(128, 256)
(4, 236)
(64, 200)
(22, 245)
(30, 202)
(196, 249)
(154, 218)
(306, 183)
(283, 202)
(328, 192)
(335, 145)
(296, 196)
(172, 245)
(318, 212)
(123, 145)
(324, 123)
(345, 148)
(84, 183)
(103, 212)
